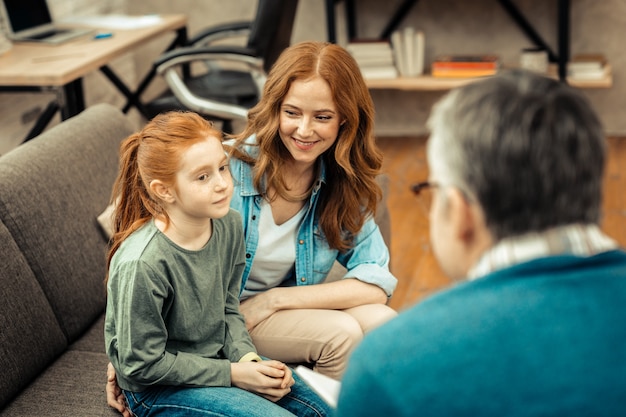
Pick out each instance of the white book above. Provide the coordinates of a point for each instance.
(379, 72)
(367, 46)
(409, 47)
(419, 52)
(326, 387)
(588, 74)
(374, 61)
(397, 45)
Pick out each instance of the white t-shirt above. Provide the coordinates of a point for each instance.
(275, 257)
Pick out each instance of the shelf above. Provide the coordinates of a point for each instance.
(429, 83)
(420, 83)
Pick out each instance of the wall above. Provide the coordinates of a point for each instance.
(450, 26)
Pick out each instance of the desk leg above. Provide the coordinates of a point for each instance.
(72, 99)
(133, 99)
(43, 120)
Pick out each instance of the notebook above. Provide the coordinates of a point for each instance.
(31, 21)
(326, 387)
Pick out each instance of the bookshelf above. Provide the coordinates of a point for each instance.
(429, 83)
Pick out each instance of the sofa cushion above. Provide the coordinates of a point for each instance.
(66, 388)
(50, 209)
(30, 336)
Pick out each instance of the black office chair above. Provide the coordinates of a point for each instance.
(222, 92)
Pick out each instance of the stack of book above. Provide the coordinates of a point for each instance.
(375, 59)
(588, 67)
(461, 66)
(408, 51)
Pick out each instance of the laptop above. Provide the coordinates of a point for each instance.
(31, 21)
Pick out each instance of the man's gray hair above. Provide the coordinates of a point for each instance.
(531, 151)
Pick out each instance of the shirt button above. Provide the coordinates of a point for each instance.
(301, 242)
(253, 217)
(248, 255)
(303, 279)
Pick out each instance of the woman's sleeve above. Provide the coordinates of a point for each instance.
(368, 260)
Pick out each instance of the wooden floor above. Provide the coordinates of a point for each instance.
(412, 261)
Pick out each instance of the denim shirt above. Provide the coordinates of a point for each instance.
(367, 260)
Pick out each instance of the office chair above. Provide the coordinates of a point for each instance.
(232, 78)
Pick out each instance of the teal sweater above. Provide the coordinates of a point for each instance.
(546, 337)
(173, 314)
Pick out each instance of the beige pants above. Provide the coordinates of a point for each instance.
(324, 338)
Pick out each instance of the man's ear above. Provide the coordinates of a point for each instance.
(162, 191)
(468, 220)
(462, 216)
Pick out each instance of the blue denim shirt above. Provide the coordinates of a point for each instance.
(367, 261)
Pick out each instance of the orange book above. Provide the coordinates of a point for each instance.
(467, 62)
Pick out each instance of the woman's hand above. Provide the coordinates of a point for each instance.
(115, 398)
(269, 379)
(257, 308)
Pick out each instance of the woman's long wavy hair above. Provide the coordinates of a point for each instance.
(152, 153)
(352, 163)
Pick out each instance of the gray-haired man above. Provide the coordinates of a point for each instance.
(536, 327)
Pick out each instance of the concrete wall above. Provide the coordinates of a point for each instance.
(450, 26)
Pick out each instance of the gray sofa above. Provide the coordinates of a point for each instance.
(52, 190)
(53, 263)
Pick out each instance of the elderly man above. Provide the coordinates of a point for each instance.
(537, 325)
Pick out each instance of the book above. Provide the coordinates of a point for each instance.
(454, 61)
(587, 61)
(588, 67)
(408, 51)
(368, 48)
(590, 74)
(326, 387)
(462, 73)
(397, 44)
(374, 58)
(380, 72)
(465, 65)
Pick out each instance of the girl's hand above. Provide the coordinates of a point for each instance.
(269, 379)
(115, 398)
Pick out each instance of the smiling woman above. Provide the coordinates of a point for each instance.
(308, 153)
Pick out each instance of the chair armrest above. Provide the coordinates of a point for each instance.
(199, 104)
(168, 64)
(187, 55)
(221, 31)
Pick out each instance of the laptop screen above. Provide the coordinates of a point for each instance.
(27, 14)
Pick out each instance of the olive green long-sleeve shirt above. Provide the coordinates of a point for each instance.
(173, 314)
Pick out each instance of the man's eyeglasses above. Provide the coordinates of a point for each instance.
(424, 191)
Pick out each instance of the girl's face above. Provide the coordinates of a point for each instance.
(204, 186)
(309, 120)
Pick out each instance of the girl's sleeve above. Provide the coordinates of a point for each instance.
(238, 342)
(142, 334)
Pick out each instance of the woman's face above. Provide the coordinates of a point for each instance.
(309, 120)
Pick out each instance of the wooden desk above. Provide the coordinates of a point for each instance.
(42, 67)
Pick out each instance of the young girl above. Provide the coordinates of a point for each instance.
(173, 329)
